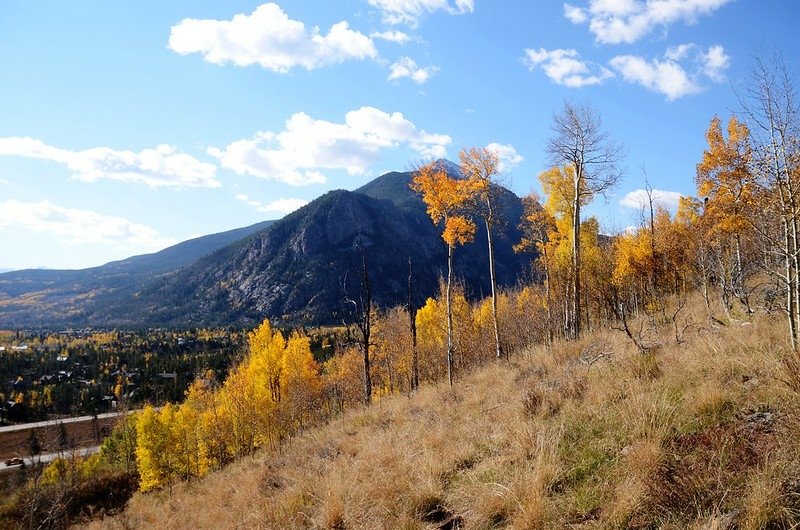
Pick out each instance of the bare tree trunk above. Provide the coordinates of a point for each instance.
(366, 328)
(790, 288)
(549, 296)
(449, 314)
(576, 260)
(493, 280)
(412, 315)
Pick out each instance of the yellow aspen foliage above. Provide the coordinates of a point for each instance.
(189, 442)
(301, 384)
(342, 375)
(210, 423)
(446, 199)
(444, 196)
(431, 324)
(59, 471)
(458, 230)
(723, 176)
(267, 348)
(538, 226)
(238, 416)
(634, 257)
(154, 455)
(391, 365)
(479, 165)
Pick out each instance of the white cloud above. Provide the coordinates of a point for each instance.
(4, 182)
(715, 62)
(392, 36)
(626, 21)
(79, 227)
(565, 67)
(269, 38)
(410, 11)
(406, 67)
(678, 53)
(669, 76)
(507, 156)
(306, 146)
(161, 166)
(666, 77)
(637, 199)
(576, 15)
(281, 205)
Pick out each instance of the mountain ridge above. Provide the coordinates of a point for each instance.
(296, 270)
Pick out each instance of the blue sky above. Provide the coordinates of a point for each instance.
(129, 126)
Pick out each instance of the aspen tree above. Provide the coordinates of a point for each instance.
(446, 199)
(580, 142)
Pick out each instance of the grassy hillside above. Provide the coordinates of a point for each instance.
(588, 434)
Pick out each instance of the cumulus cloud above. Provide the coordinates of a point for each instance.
(162, 166)
(565, 67)
(410, 11)
(672, 76)
(715, 62)
(637, 199)
(406, 67)
(507, 156)
(627, 21)
(666, 77)
(306, 146)
(576, 15)
(281, 205)
(392, 36)
(79, 227)
(269, 38)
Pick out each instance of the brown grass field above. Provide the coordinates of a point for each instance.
(588, 434)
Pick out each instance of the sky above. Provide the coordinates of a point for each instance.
(126, 127)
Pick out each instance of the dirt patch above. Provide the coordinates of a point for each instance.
(79, 434)
(704, 471)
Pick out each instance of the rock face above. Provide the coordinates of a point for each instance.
(301, 268)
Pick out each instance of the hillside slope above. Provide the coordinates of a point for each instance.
(588, 435)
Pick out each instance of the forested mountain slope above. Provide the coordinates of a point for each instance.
(299, 269)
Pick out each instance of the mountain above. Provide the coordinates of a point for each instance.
(298, 270)
(46, 297)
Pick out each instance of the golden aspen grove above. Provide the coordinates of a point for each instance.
(644, 379)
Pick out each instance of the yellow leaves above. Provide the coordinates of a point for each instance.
(634, 257)
(300, 381)
(446, 199)
(213, 425)
(152, 447)
(458, 230)
(558, 183)
(479, 165)
(431, 324)
(264, 365)
(538, 226)
(724, 179)
(342, 374)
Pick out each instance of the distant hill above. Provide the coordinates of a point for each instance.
(36, 297)
(297, 270)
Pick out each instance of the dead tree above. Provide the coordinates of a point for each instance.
(579, 142)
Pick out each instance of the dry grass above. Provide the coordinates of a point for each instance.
(698, 435)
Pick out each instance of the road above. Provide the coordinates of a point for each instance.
(49, 457)
(54, 423)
